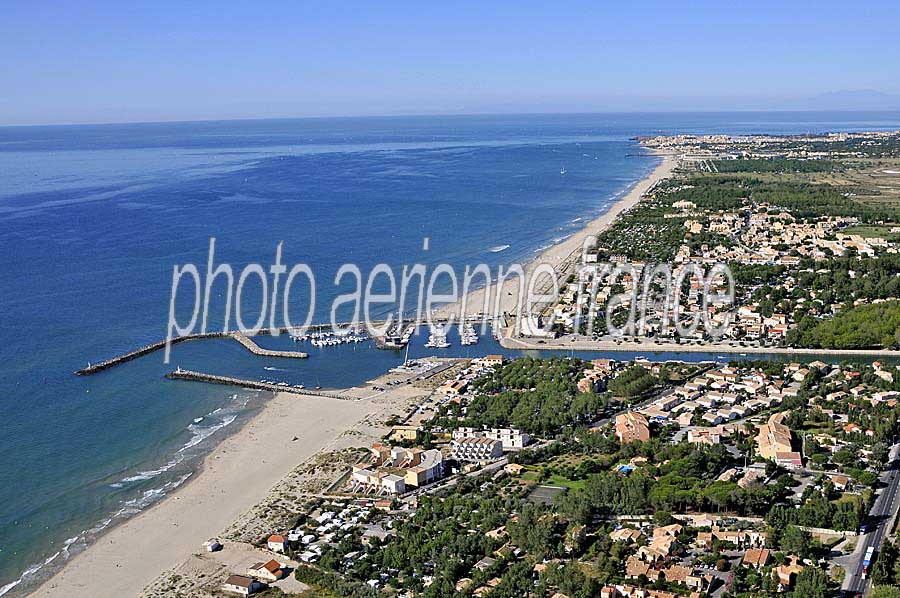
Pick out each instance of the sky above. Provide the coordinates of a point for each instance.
(112, 61)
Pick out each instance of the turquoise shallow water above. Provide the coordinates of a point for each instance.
(93, 218)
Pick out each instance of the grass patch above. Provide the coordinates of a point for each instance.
(558, 480)
(872, 231)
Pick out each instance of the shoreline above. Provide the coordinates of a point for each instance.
(234, 477)
(558, 254)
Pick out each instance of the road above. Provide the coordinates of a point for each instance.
(877, 525)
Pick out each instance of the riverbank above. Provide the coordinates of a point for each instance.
(235, 477)
(559, 256)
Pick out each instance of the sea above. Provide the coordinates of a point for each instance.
(94, 218)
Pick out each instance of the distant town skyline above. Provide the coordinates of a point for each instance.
(96, 62)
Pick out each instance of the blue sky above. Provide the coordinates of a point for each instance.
(104, 61)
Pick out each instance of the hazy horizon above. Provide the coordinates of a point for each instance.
(96, 63)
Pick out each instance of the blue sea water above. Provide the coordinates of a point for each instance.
(93, 218)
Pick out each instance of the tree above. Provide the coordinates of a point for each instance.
(811, 583)
(796, 540)
(885, 592)
(663, 518)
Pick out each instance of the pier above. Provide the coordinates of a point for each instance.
(257, 350)
(180, 374)
(93, 368)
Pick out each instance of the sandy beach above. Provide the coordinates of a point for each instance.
(560, 254)
(235, 476)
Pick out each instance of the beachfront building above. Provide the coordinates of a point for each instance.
(492, 360)
(394, 469)
(428, 468)
(268, 571)
(242, 585)
(378, 480)
(510, 439)
(408, 433)
(632, 426)
(476, 449)
(277, 543)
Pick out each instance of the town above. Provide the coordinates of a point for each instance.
(570, 478)
(807, 225)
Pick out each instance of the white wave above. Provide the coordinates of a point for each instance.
(28, 573)
(147, 475)
(201, 434)
(579, 219)
(498, 248)
(134, 506)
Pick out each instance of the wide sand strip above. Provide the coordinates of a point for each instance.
(235, 476)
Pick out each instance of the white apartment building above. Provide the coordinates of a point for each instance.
(476, 449)
(509, 439)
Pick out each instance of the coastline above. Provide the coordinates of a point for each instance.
(236, 476)
(557, 255)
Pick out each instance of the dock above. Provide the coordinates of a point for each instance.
(257, 350)
(180, 374)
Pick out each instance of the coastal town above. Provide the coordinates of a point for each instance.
(571, 478)
(807, 225)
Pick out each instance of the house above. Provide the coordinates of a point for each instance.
(463, 583)
(788, 572)
(789, 459)
(212, 545)
(625, 534)
(635, 567)
(513, 468)
(659, 549)
(492, 360)
(841, 482)
(756, 558)
(774, 437)
(485, 563)
(668, 530)
(277, 543)
(631, 427)
(401, 433)
(268, 571)
(242, 585)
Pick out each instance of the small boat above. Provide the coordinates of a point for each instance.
(562, 170)
(437, 339)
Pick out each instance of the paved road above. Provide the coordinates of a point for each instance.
(880, 518)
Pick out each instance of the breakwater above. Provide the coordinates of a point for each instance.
(240, 336)
(257, 350)
(180, 374)
(93, 368)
